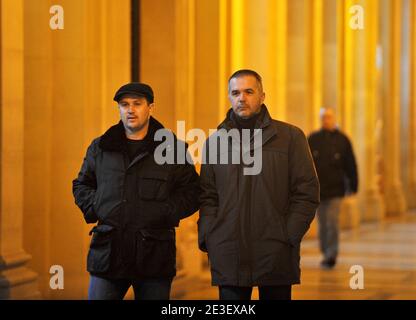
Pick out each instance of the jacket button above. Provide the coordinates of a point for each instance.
(124, 200)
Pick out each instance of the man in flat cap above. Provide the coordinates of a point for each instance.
(136, 202)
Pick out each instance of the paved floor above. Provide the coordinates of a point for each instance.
(386, 251)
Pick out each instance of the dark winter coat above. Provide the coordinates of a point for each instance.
(334, 162)
(137, 205)
(252, 225)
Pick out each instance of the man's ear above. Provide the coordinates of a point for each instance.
(263, 97)
(151, 108)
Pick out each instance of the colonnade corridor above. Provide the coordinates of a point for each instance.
(62, 62)
(386, 251)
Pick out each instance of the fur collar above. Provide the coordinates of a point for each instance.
(114, 139)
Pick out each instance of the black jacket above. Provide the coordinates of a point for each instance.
(137, 206)
(252, 226)
(334, 162)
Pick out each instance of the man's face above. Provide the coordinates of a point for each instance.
(246, 96)
(135, 112)
(328, 119)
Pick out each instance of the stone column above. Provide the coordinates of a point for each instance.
(358, 105)
(372, 206)
(278, 28)
(87, 70)
(315, 66)
(17, 281)
(411, 187)
(350, 96)
(316, 22)
(237, 31)
(301, 51)
(185, 110)
(70, 79)
(393, 192)
(157, 61)
(221, 18)
(38, 91)
(281, 56)
(211, 61)
(329, 54)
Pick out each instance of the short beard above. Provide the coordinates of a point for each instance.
(251, 115)
(137, 129)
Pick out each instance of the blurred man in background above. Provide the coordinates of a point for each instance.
(337, 171)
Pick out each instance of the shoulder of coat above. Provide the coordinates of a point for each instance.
(94, 146)
(288, 127)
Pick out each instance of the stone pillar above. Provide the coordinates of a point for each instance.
(91, 68)
(185, 109)
(157, 61)
(223, 54)
(185, 60)
(300, 72)
(38, 90)
(257, 40)
(265, 35)
(237, 31)
(316, 22)
(329, 54)
(281, 57)
(393, 192)
(315, 65)
(358, 105)
(69, 85)
(350, 96)
(411, 187)
(211, 69)
(372, 206)
(17, 281)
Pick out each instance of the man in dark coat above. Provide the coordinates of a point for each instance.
(337, 172)
(136, 201)
(252, 225)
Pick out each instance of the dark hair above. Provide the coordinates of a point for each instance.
(247, 72)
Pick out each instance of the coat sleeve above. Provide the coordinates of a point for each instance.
(304, 187)
(209, 201)
(85, 185)
(184, 199)
(350, 167)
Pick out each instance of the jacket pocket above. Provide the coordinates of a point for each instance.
(285, 233)
(156, 253)
(90, 216)
(153, 186)
(98, 197)
(100, 252)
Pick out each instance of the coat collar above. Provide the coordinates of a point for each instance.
(262, 122)
(114, 139)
